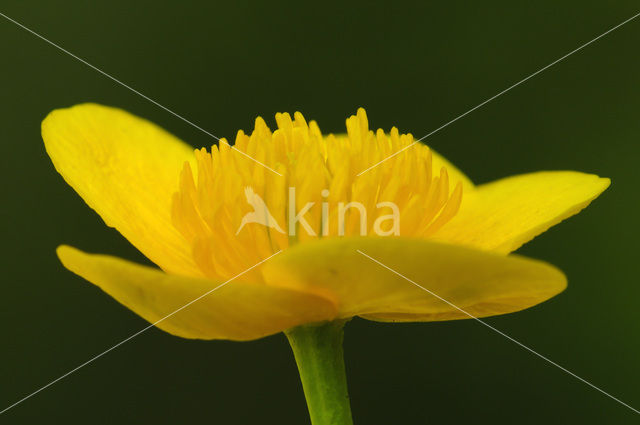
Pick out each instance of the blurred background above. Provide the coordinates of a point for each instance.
(417, 66)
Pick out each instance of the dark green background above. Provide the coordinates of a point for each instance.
(415, 66)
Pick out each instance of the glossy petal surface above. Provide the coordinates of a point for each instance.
(127, 170)
(481, 283)
(502, 215)
(237, 310)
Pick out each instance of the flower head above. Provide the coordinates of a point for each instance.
(205, 217)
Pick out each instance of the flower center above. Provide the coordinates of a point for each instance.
(235, 212)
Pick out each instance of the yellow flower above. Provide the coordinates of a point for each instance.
(184, 210)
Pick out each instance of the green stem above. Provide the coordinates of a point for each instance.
(318, 353)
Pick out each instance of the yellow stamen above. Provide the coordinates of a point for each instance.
(212, 200)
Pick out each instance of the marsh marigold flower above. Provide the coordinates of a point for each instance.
(183, 208)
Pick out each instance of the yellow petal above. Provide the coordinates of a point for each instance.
(502, 215)
(481, 283)
(126, 169)
(236, 310)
